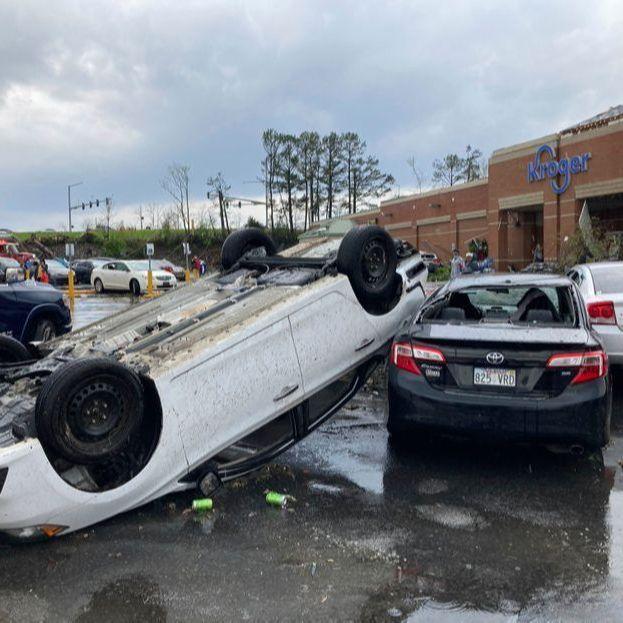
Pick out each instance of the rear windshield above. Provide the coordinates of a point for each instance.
(608, 280)
(533, 305)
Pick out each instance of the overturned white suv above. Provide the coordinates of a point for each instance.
(198, 386)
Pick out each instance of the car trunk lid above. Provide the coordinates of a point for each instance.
(510, 359)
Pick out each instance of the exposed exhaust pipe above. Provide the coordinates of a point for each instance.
(576, 450)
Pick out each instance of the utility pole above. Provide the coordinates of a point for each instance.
(69, 187)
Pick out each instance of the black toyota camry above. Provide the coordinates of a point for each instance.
(504, 355)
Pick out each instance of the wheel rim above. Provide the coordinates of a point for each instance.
(98, 286)
(374, 262)
(95, 410)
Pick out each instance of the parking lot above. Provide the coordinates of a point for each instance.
(437, 530)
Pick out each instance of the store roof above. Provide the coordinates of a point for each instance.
(614, 113)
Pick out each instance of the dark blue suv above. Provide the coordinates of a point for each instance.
(32, 312)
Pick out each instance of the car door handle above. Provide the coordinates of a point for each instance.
(364, 344)
(285, 392)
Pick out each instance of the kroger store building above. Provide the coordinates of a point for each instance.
(534, 194)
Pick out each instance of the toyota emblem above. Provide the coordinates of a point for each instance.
(495, 358)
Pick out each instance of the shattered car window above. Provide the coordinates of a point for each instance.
(515, 304)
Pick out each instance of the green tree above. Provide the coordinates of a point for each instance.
(368, 181)
(472, 169)
(449, 170)
(333, 168)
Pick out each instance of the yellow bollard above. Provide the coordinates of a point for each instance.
(27, 274)
(71, 290)
(70, 285)
(150, 283)
(187, 276)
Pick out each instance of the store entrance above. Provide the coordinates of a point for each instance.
(524, 233)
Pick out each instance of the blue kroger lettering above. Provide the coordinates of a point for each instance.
(566, 167)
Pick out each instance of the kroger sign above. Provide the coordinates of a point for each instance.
(552, 168)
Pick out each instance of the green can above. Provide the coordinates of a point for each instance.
(204, 504)
(278, 499)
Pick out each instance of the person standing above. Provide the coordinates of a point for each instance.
(537, 256)
(457, 265)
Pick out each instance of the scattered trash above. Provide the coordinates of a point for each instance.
(313, 569)
(202, 505)
(278, 499)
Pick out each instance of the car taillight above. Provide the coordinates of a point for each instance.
(406, 356)
(590, 366)
(601, 312)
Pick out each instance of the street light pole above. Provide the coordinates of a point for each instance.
(69, 187)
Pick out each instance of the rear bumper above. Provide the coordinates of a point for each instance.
(612, 338)
(580, 414)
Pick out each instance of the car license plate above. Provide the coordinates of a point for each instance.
(495, 377)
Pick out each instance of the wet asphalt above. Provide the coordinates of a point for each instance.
(424, 530)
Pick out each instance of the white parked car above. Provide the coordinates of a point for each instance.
(130, 276)
(601, 285)
(201, 385)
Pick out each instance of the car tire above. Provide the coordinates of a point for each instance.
(88, 410)
(12, 351)
(367, 255)
(98, 284)
(135, 287)
(243, 241)
(45, 330)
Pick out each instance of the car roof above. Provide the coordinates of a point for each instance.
(506, 279)
(596, 266)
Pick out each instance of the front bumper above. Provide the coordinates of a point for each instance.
(579, 414)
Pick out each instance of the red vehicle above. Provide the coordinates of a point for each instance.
(9, 248)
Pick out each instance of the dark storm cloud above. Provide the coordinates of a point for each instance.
(111, 92)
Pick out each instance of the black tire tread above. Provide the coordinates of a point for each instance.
(235, 244)
(348, 259)
(15, 350)
(55, 384)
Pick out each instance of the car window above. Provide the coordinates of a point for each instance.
(608, 279)
(507, 304)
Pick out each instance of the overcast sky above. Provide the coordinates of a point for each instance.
(110, 92)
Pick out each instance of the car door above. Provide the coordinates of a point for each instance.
(222, 396)
(12, 315)
(122, 276)
(331, 334)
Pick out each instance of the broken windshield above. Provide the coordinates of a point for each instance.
(540, 305)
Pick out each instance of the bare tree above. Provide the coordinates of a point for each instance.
(218, 188)
(417, 172)
(153, 215)
(175, 183)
